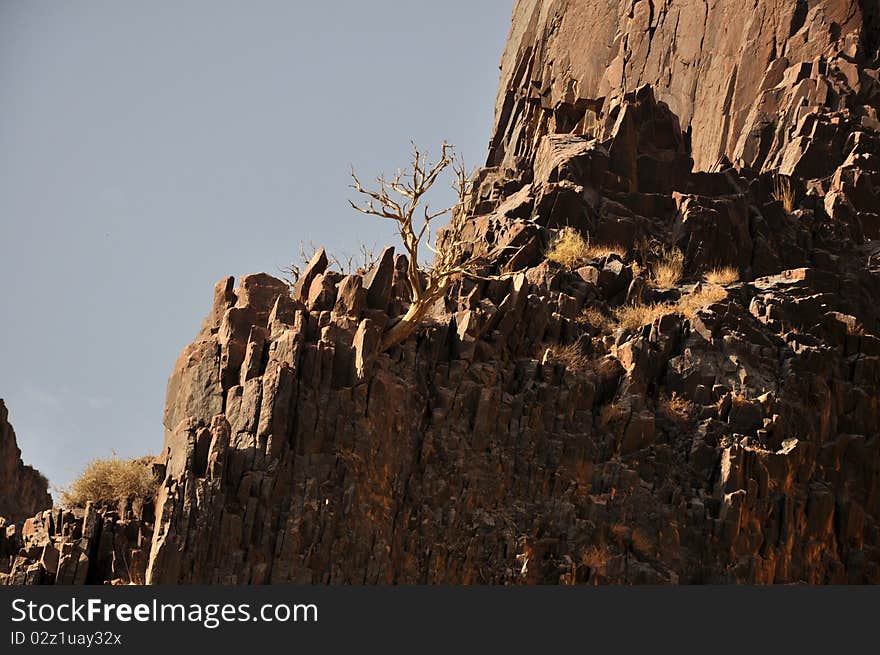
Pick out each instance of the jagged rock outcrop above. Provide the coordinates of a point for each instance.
(473, 454)
(40, 544)
(97, 544)
(528, 433)
(23, 490)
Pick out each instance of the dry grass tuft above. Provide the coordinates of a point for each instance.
(569, 249)
(595, 557)
(569, 356)
(689, 304)
(111, 480)
(669, 269)
(722, 275)
(595, 318)
(675, 408)
(784, 193)
(633, 317)
(598, 250)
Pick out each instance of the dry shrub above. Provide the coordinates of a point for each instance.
(595, 557)
(675, 408)
(669, 269)
(784, 193)
(569, 249)
(689, 304)
(569, 356)
(111, 480)
(722, 275)
(597, 250)
(595, 318)
(633, 317)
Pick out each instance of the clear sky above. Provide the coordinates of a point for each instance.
(148, 149)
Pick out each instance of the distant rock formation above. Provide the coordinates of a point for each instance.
(23, 490)
(526, 434)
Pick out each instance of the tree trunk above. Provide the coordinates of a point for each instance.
(410, 321)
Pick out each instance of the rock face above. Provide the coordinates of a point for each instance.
(735, 73)
(23, 490)
(530, 432)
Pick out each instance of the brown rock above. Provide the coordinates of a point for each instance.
(706, 65)
(379, 279)
(351, 299)
(316, 266)
(23, 490)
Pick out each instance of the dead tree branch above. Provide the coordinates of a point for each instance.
(402, 199)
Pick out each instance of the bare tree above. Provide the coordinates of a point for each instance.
(401, 200)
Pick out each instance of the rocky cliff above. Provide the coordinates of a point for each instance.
(23, 491)
(528, 433)
(735, 73)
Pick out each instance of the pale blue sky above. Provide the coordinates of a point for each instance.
(147, 149)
